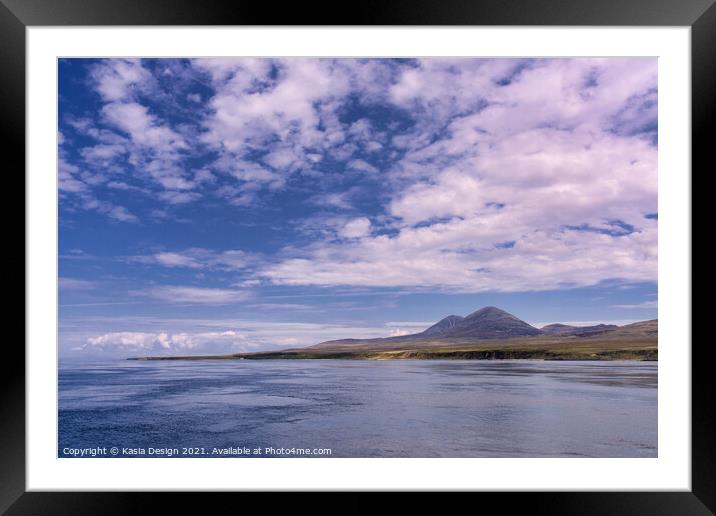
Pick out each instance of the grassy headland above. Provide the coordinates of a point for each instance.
(533, 348)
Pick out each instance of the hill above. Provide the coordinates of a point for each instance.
(488, 333)
(564, 329)
(491, 323)
(485, 324)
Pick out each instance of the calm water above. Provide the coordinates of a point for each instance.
(363, 408)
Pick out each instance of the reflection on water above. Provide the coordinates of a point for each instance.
(366, 408)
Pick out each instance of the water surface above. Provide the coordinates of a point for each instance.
(421, 408)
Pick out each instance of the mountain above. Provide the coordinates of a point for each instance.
(484, 324)
(641, 329)
(565, 329)
(490, 326)
(556, 329)
(443, 326)
(491, 323)
(487, 334)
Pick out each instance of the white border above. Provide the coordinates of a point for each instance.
(671, 470)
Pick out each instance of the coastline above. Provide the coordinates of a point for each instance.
(638, 355)
(446, 341)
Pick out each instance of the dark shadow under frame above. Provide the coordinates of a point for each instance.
(16, 15)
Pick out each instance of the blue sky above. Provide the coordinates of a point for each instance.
(216, 205)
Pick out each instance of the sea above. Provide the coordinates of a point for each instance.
(243, 409)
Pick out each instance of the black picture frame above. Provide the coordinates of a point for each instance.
(17, 15)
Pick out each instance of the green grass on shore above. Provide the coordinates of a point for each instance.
(524, 349)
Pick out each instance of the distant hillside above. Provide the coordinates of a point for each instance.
(564, 329)
(637, 329)
(443, 326)
(491, 323)
(556, 329)
(487, 334)
(485, 324)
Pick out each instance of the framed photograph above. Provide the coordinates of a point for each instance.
(443, 248)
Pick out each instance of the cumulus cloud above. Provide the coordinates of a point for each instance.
(362, 166)
(479, 174)
(356, 228)
(334, 200)
(167, 342)
(250, 107)
(67, 180)
(127, 135)
(118, 79)
(121, 214)
(444, 256)
(142, 127)
(287, 111)
(529, 187)
(232, 336)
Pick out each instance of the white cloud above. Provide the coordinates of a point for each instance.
(288, 110)
(211, 336)
(151, 149)
(121, 214)
(74, 284)
(199, 258)
(335, 200)
(67, 180)
(172, 260)
(449, 256)
(171, 197)
(113, 211)
(204, 176)
(119, 185)
(163, 342)
(617, 322)
(142, 127)
(102, 153)
(362, 166)
(516, 175)
(118, 79)
(643, 305)
(195, 295)
(532, 189)
(283, 306)
(356, 228)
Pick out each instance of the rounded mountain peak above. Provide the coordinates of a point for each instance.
(443, 325)
(489, 311)
(491, 323)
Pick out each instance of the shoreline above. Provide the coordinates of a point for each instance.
(637, 355)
